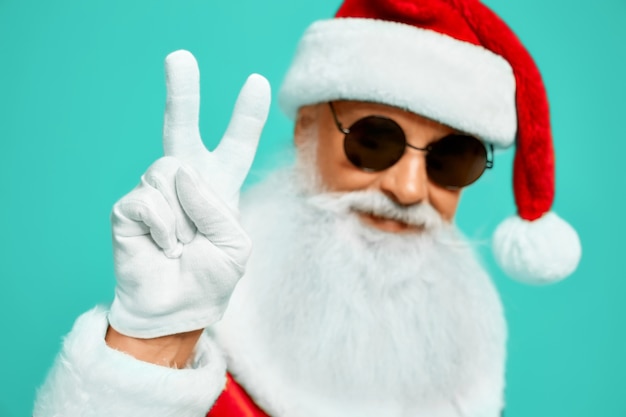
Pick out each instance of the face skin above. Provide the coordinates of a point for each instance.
(406, 183)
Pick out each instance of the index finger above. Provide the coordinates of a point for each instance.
(181, 134)
(239, 144)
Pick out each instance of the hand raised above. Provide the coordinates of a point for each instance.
(227, 166)
(178, 247)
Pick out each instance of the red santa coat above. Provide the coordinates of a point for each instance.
(235, 402)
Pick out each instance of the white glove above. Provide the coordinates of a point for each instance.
(178, 247)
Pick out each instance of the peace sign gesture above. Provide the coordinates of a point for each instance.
(227, 166)
(178, 246)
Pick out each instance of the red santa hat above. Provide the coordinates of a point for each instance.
(456, 62)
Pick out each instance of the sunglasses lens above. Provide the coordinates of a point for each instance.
(374, 143)
(456, 161)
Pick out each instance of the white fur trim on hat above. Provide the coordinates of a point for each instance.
(91, 379)
(542, 251)
(456, 83)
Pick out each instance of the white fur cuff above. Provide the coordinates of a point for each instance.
(91, 379)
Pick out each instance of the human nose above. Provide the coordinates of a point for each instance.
(406, 182)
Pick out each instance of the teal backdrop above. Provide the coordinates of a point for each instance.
(81, 102)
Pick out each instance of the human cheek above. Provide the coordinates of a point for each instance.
(444, 201)
(338, 174)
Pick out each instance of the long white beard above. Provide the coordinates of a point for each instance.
(340, 311)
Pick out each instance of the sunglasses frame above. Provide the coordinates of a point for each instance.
(488, 149)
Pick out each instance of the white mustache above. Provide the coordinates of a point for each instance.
(422, 215)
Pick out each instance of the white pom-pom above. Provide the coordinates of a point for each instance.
(542, 251)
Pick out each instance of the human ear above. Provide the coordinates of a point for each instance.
(306, 120)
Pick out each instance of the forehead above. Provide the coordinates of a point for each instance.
(349, 111)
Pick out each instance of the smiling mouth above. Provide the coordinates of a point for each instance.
(388, 225)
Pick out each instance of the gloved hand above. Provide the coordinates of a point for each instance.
(178, 247)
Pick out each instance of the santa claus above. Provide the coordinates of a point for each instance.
(359, 297)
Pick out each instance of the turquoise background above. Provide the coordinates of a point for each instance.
(81, 102)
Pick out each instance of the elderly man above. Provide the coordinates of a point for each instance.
(360, 297)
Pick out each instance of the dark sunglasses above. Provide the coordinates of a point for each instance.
(375, 143)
